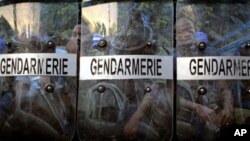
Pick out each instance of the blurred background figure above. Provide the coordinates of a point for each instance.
(77, 32)
(213, 111)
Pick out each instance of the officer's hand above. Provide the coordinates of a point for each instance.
(131, 127)
(207, 114)
(146, 102)
(149, 98)
(71, 46)
(226, 116)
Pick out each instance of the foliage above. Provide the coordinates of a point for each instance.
(58, 19)
(159, 15)
(5, 28)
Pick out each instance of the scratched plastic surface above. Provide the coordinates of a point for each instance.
(36, 107)
(208, 107)
(125, 109)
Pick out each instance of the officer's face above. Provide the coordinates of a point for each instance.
(76, 33)
(185, 33)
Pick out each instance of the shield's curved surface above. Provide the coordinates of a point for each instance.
(38, 83)
(126, 66)
(211, 46)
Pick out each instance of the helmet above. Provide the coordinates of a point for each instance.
(201, 37)
(136, 34)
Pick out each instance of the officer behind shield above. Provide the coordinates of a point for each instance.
(77, 32)
(213, 111)
(151, 119)
(242, 102)
(156, 106)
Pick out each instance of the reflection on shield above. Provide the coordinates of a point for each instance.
(185, 131)
(136, 34)
(34, 44)
(104, 111)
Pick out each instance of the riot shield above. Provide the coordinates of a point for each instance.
(125, 88)
(212, 40)
(38, 72)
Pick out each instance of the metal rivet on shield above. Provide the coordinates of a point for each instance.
(50, 44)
(49, 88)
(102, 43)
(247, 45)
(202, 45)
(148, 89)
(148, 44)
(101, 89)
(248, 91)
(202, 90)
(8, 44)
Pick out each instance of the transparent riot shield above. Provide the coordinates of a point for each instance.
(212, 41)
(125, 90)
(38, 71)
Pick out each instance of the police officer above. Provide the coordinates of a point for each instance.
(214, 109)
(155, 106)
(71, 46)
(242, 102)
(152, 118)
